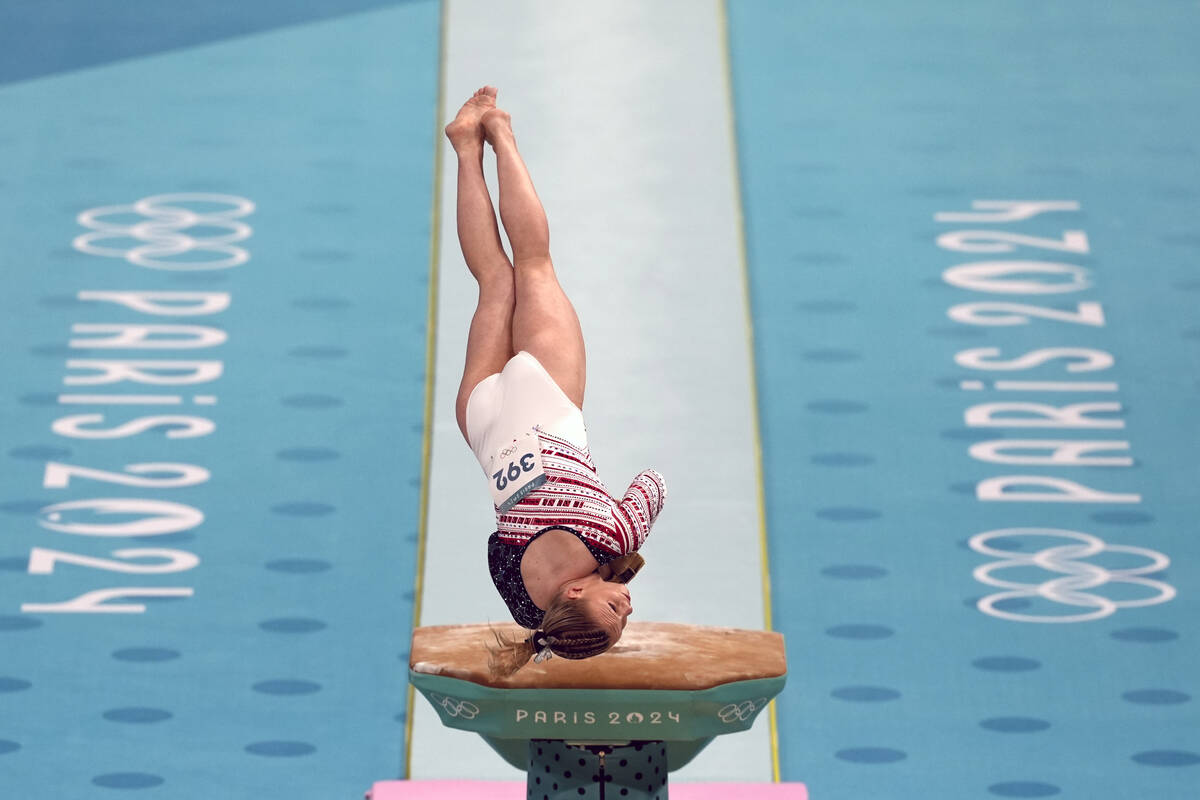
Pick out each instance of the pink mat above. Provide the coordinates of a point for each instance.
(514, 790)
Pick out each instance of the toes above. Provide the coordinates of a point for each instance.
(485, 96)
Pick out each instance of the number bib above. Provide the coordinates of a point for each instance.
(516, 471)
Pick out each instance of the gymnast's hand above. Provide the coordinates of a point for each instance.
(623, 569)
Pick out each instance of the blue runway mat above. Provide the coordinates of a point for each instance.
(926, 661)
(279, 185)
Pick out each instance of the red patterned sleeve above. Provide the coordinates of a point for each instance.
(640, 507)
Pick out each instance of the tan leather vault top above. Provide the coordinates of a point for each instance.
(650, 655)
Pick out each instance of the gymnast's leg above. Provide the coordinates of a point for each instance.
(544, 321)
(490, 341)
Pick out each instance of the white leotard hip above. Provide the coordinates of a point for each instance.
(508, 404)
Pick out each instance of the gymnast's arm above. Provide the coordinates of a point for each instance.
(639, 508)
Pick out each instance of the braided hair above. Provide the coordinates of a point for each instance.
(567, 631)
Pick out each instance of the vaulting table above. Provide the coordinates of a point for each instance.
(611, 726)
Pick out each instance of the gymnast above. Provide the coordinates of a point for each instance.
(564, 548)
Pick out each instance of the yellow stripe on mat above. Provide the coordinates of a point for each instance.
(435, 228)
(764, 557)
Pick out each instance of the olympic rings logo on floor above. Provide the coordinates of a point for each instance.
(741, 712)
(455, 707)
(1078, 575)
(163, 232)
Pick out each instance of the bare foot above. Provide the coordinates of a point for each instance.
(466, 128)
(496, 123)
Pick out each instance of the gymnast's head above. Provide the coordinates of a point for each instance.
(585, 619)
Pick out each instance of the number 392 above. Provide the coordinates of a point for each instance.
(514, 471)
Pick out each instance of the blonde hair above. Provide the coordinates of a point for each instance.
(567, 629)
